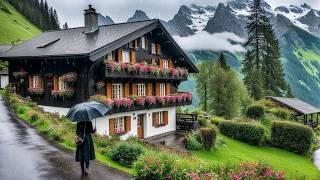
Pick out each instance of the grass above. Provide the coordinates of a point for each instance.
(14, 26)
(234, 151)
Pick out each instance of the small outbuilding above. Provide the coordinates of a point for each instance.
(303, 110)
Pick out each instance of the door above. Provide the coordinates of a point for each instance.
(140, 125)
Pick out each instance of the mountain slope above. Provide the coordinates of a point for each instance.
(14, 27)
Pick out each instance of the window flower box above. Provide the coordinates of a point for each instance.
(20, 74)
(159, 125)
(36, 91)
(100, 85)
(120, 133)
(66, 93)
(70, 77)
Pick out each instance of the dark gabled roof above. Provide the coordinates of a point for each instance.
(73, 42)
(295, 104)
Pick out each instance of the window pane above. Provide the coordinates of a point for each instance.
(153, 48)
(125, 56)
(116, 91)
(165, 63)
(162, 89)
(143, 42)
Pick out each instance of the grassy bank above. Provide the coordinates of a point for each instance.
(236, 151)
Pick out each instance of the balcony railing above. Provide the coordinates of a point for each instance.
(143, 71)
(141, 103)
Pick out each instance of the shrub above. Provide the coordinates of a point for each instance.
(55, 134)
(102, 142)
(255, 112)
(291, 136)
(34, 117)
(247, 132)
(216, 120)
(282, 113)
(192, 142)
(208, 137)
(126, 153)
(203, 121)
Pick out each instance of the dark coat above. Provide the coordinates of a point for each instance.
(85, 152)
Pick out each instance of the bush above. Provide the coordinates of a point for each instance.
(216, 120)
(55, 134)
(34, 117)
(291, 136)
(208, 137)
(246, 132)
(281, 113)
(255, 112)
(192, 142)
(126, 153)
(203, 121)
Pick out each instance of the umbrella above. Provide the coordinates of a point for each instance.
(87, 111)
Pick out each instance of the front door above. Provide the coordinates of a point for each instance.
(140, 125)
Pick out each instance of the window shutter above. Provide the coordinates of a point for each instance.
(161, 62)
(109, 90)
(171, 63)
(30, 81)
(149, 87)
(133, 57)
(119, 55)
(165, 117)
(127, 123)
(158, 49)
(113, 55)
(134, 89)
(126, 90)
(154, 119)
(168, 89)
(55, 83)
(111, 126)
(157, 89)
(41, 82)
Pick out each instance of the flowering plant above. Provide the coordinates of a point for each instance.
(68, 93)
(150, 100)
(120, 133)
(124, 66)
(109, 102)
(164, 71)
(36, 91)
(70, 77)
(118, 103)
(129, 103)
(160, 100)
(174, 72)
(100, 85)
(20, 74)
(140, 101)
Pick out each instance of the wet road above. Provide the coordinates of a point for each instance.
(26, 155)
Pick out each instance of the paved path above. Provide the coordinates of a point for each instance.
(24, 154)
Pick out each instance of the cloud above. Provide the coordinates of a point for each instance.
(225, 41)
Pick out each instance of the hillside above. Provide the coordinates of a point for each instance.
(14, 27)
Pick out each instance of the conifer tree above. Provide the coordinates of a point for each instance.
(223, 62)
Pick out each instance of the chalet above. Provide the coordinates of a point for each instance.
(136, 67)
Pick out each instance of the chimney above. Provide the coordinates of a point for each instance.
(90, 20)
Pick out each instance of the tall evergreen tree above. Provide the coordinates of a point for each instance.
(223, 62)
(262, 67)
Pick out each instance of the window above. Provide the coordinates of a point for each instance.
(153, 48)
(62, 84)
(119, 124)
(159, 118)
(165, 63)
(143, 42)
(141, 89)
(131, 44)
(125, 56)
(162, 89)
(109, 57)
(116, 91)
(136, 44)
(36, 82)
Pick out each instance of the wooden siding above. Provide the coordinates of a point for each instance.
(111, 126)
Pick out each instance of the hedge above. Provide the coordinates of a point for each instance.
(255, 112)
(126, 153)
(242, 131)
(292, 137)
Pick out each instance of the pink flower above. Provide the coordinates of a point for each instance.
(140, 101)
(174, 72)
(124, 66)
(160, 100)
(109, 102)
(267, 172)
(118, 103)
(129, 103)
(150, 100)
(180, 98)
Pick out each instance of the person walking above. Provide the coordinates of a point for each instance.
(85, 149)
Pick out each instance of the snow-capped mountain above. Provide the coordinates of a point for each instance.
(138, 16)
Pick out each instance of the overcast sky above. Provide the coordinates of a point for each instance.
(71, 11)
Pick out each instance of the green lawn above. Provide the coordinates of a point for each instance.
(13, 26)
(236, 151)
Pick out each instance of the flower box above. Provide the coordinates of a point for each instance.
(20, 74)
(36, 91)
(100, 85)
(70, 77)
(66, 93)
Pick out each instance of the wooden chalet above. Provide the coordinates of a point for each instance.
(136, 59)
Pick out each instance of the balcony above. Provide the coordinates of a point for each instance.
(143, 71)
(143, 103)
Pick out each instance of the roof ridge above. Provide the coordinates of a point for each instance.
(103, 25)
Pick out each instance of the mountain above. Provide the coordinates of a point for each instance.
(14, 26)
(104, 20)
(138, 16)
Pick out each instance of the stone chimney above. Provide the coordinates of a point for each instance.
(90, 20)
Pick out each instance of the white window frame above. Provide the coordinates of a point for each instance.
(143, 42)
(62, 84)
(119, 124)
(165, 63)
(159, 118)
(162, 89)
(153, 48)
(109, 56)
(136, 44)
(117, 91)
(125, 56)
(141, 89)
(36, 82)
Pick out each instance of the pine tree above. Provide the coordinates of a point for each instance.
(65, 26)
(223, 62)
(262, 61)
